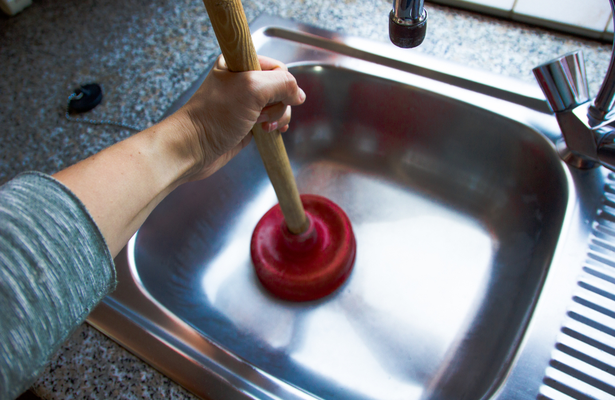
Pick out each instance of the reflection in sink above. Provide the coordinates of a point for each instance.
(456, 211)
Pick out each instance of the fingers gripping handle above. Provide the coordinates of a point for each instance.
(231, 27)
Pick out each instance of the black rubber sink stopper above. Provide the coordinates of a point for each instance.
(85, 98)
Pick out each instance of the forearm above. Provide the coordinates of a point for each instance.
(121, 185)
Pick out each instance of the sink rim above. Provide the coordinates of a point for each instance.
(221, 374)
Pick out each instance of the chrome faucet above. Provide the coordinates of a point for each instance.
(407, 23)
(588, 128)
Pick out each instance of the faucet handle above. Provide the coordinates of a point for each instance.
(564, 81)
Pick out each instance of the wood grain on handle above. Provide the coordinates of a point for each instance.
(233, 34)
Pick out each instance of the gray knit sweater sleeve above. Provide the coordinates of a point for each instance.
(54, 268)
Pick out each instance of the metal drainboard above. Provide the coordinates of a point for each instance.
(582, 364)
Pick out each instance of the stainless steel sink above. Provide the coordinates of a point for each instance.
(484, 263)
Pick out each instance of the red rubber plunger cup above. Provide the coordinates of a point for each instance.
(310, 265)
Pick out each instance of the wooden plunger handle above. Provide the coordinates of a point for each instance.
(231, 27)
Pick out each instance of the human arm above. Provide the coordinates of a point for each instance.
(54, 264)
(121, 185)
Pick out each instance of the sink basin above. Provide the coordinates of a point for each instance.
(470, 234)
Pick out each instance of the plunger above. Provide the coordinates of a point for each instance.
(303, 248)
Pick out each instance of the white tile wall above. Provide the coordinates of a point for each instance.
(591, 18)
(505, 5)
(593, 14)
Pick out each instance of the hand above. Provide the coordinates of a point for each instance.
(218, 118)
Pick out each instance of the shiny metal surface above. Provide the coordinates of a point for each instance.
(581, 364)
(408, 9)
(587, 128)
(564, 81)
(471, 235)
(605, 99)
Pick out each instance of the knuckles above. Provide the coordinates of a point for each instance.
(271, 86)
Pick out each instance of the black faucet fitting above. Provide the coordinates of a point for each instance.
(407, 23)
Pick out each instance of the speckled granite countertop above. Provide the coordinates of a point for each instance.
(145, 54)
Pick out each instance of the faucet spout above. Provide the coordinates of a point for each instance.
(606, 95)
(408, 9)
(407, 23)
